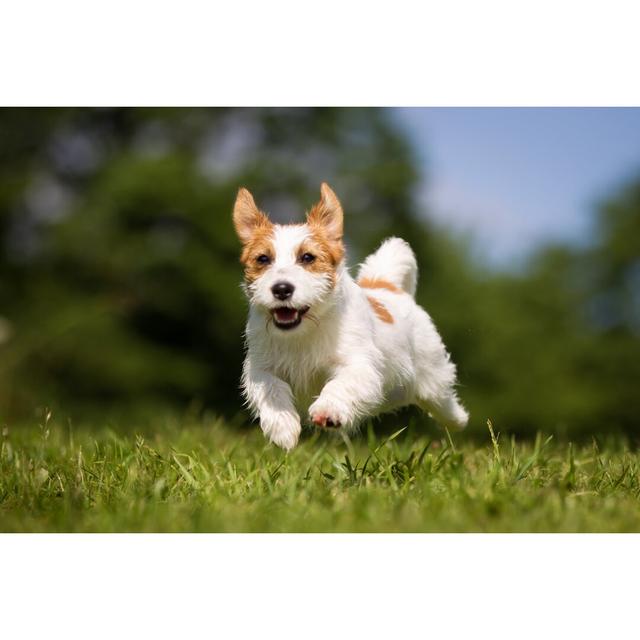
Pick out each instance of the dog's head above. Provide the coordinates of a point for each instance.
(290, 270)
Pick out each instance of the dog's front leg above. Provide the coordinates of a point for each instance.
(353, 392)
(271, 400)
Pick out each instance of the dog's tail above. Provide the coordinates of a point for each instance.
(394, 263)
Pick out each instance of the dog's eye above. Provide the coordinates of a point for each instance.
(307, 258)
(263, 259)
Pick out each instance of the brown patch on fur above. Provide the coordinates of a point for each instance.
(255, 231)
(380, 310)
(327, 213)
(371, 283)
(327, 254)
(261, 243)
(326, 223)
(247, 218)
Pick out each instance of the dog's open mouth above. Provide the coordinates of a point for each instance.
(287, 317)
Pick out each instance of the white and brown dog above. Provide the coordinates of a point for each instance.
(325, 346)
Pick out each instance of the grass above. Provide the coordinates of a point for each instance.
(205, 476)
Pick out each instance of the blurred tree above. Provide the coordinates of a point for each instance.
(611, 272)
(121, 276)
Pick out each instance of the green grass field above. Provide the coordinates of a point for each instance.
(204, 476)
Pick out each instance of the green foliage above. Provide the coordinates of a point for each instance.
(122, 278)
(119, 275)
(205, 476)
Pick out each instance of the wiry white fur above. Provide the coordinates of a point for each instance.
(342, 361)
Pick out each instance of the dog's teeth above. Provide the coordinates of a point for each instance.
(290, 317)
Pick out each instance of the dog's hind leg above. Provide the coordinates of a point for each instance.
(435, 378)
(446, 410)
(435, 375)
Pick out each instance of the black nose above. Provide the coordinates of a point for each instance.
(282, 290)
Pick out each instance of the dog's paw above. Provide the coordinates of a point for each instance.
(328, 413)
(283, 429)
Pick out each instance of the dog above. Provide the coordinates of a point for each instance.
(325, 346)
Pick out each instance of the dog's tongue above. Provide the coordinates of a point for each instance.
(284, 314)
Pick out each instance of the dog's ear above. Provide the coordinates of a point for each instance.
(247, 218)
(327, 214)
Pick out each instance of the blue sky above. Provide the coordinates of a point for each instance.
(516, 178)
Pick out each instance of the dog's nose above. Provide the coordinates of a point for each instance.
(282, 290)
